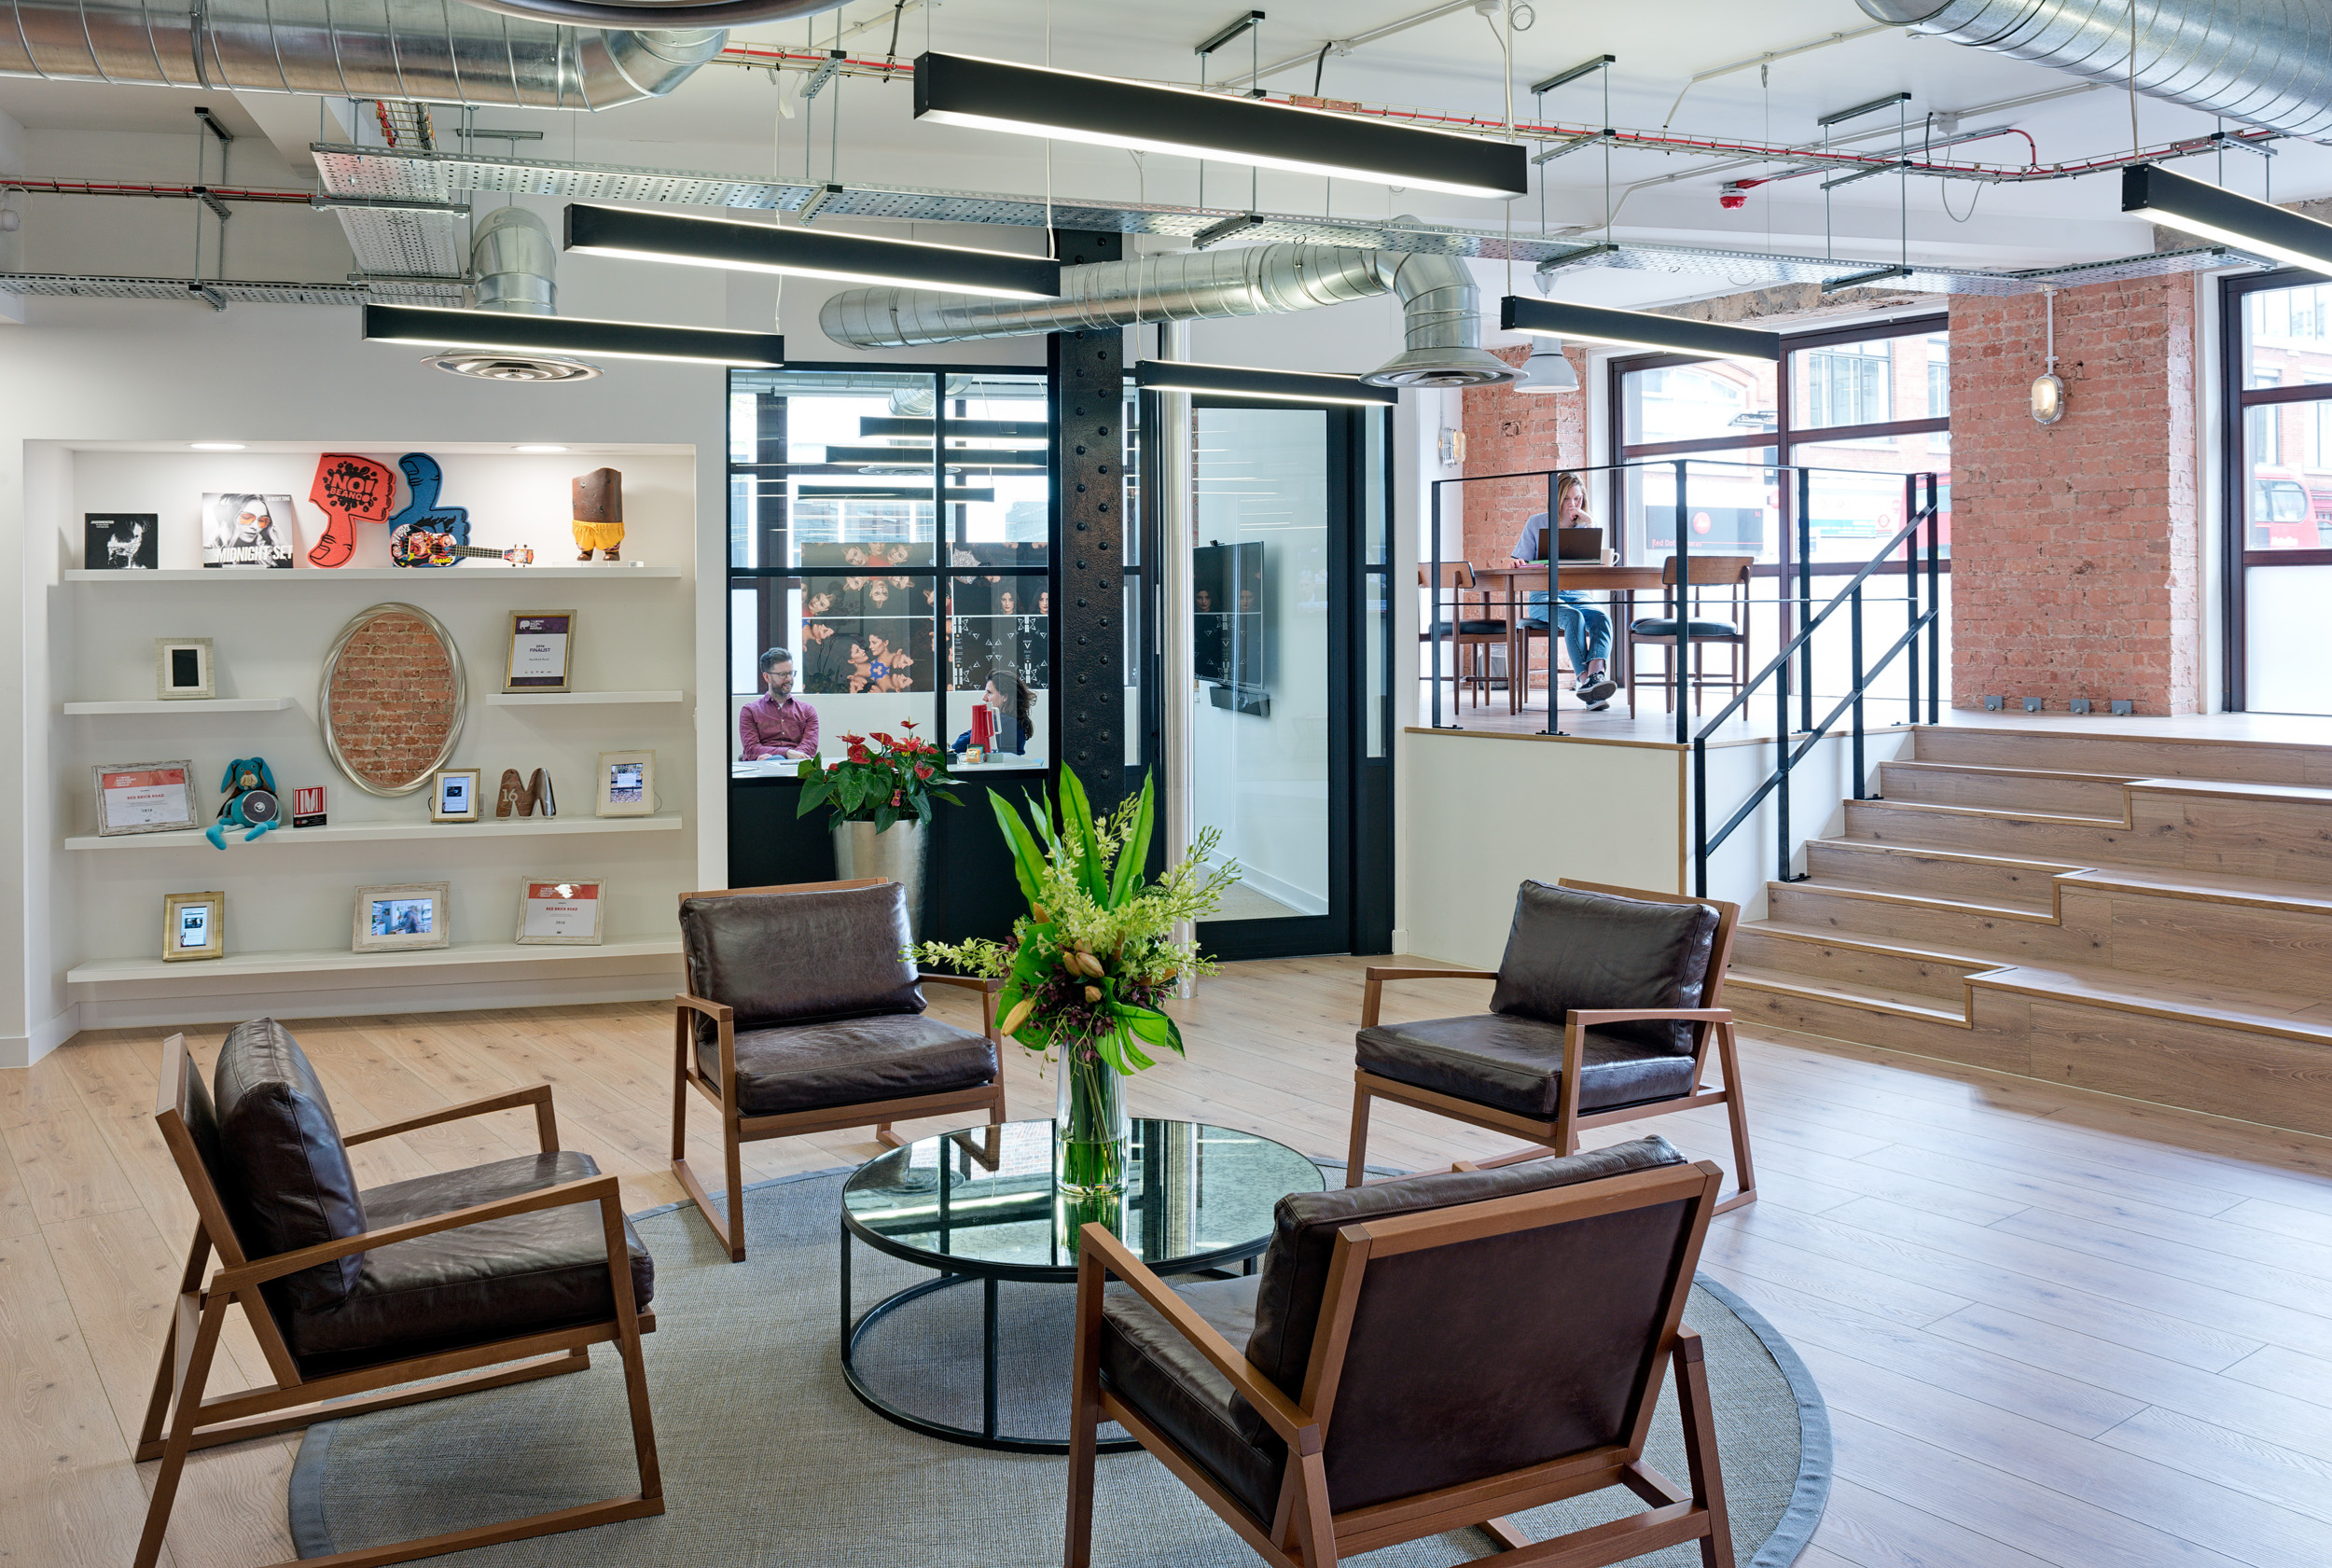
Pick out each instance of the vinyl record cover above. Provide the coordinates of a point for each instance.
(122, 542)
(243, 530)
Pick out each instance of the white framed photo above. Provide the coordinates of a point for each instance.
(562, 911)
(453, 795)
(182, 668)
(144, 796)
(542, 650)
(403, 915)
(194, 925)
(627, 784)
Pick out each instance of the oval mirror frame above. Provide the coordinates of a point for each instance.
(335, 737)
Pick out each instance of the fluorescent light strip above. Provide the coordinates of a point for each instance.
(1108, 111)
(1277, 386)
(688, 241)
(2214, 214)
(1639, 329)
(507, 332)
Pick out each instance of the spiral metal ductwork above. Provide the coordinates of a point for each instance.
(2264, 62)
(1437, 292)
(433, 52)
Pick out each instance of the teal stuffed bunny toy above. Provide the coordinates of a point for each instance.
(251, 803)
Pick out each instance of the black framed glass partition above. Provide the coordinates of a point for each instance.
(2276, 332)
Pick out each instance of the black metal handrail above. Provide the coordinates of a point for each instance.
(1800, 649)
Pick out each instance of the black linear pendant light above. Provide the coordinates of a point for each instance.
(1238, 381)
(507, 332)
(2221, 214)
(814, 253)
(1638, 329)
(1070, 106)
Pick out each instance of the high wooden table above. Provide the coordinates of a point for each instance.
(1621, 583)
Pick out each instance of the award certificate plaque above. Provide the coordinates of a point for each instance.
(555, 911)
(144, 796)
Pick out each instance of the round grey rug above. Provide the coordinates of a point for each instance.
(767, 1457)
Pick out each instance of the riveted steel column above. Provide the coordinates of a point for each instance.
(1089, 560)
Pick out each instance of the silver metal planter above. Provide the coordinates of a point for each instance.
(898, 853)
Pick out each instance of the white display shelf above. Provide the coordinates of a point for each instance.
(491, 830)
(467, 572)
(244, 965)
(187, 705)
(565, 698)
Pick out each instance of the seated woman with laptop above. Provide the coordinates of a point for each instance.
(1585, 630)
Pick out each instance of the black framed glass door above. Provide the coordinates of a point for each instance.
(2276, 338)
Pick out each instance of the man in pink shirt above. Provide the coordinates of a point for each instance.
(777, 723)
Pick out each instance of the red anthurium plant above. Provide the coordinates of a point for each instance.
(882, 778)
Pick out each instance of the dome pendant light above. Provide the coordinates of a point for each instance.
(1548, 369)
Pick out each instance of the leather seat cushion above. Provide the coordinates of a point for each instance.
(1513, 1063)
(1472, 629)
(1665, 626)
(1570, 948)
(779, 958)
(1155, 1371)
(514, 1275)
(282, 1172)
(851, 1062)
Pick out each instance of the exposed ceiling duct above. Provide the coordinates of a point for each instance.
(2264, 62)
(428, 51)
(515, 263)
(1440, 305)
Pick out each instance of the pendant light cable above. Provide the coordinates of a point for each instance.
(2133, 79)
(1052, 237)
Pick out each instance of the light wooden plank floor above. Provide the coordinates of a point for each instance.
(2053, 1328)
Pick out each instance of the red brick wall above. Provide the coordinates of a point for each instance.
(392, 698)
(1508, 431)
(2075, 558)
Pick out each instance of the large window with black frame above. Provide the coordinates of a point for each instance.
(1857, 407)
(2278, 495)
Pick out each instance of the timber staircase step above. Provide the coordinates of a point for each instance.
(2138, 756)
(1988, 878)
(1962, 783)
(1849, 995)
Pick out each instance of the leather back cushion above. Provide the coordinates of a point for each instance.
(1570, 949)
(781, 958)
(1468, 1360)
(286, 1179)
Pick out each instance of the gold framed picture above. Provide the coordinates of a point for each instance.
(194, 925)
(542, 650)
(561, 911)
(627, 784)
(453, 795)
(182, 668)
(403, 915)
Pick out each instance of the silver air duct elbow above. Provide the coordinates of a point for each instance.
(515, 264)
(422, 51)
(1444, 325)
(2264, 62)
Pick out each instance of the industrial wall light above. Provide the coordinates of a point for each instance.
(1638, 329)
(2221, 214)
(814, 253)
(1278, 386)
(507, 332)
(1071, 107)
(2048, 390)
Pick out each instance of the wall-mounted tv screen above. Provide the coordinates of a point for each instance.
(1226, 604)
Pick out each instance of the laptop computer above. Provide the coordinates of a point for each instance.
(1579, 543)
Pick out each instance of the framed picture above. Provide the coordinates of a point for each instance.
(121, 541)
(542, 650)
(194, 925)
(405, 915)
(453, 795)
(182, 668)
(240, 529)
(627, 784)
(144, 796)
(561, 911)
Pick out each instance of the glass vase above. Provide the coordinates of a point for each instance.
(1091, 1131)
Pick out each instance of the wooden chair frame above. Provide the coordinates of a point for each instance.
(738, 1128)
(1458, 581)
(180, 1419)
(1305, 1532)
(1561, 1133)
(1684, 601)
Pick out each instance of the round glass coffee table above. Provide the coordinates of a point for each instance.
(979, 1205)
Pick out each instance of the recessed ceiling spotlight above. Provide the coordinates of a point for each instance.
(216, 446)
(540, 448)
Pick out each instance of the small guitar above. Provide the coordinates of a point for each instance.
(417, 546)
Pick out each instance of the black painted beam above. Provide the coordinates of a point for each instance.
(1089, 495)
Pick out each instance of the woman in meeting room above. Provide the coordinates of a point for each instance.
(1585, 630)
(1008, 700)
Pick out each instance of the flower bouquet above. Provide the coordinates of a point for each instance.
(1084, 969)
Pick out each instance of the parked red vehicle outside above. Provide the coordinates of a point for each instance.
(2288, 513)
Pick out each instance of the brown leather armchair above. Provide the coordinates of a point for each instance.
(1608, 999)
(804, 1014)
(451, 1277)
(1420, 1355)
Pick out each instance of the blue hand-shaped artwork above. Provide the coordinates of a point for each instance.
(425, 533)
